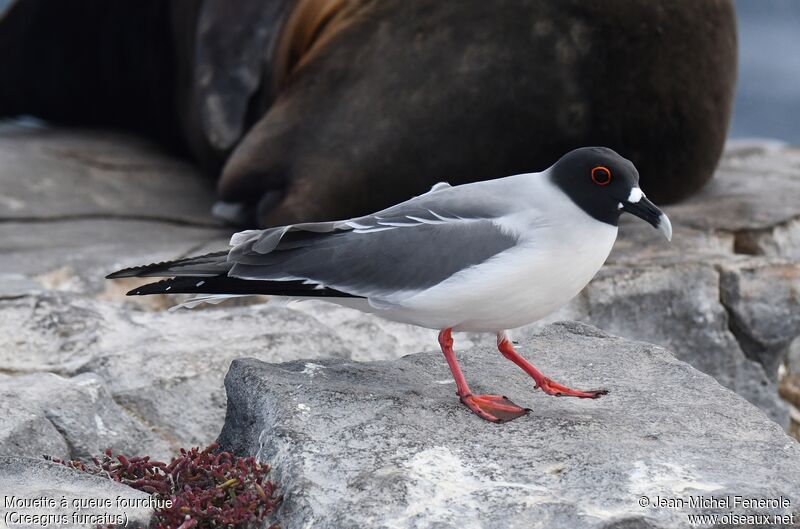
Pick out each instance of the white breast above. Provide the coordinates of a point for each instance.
(517, 287)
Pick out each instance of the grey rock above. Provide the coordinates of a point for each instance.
(782, 240)
(99, 201)
(793, 356)
(17, 285)
(26, 479)
(160, 373)
(678, 306)
(789, 386)
(639, 244)
(763, 298)
(76, 255)
(68, 418)
(62, 174)
(387, 444)
(27, 432)
(178, 385)
(755, 188)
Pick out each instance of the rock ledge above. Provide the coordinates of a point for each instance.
(386, 444)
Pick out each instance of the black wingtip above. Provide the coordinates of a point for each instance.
(135, 292)
(134, 271)
(159, 287)
(223, 284)
(187, 266)
(120, 274)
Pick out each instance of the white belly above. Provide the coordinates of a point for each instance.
(515, 288)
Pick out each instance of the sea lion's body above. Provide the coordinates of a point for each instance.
(332, 108)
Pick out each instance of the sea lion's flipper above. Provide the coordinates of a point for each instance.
(286, 167)
(234, 43)
(245, 52)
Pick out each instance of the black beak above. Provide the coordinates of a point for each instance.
(647, 211)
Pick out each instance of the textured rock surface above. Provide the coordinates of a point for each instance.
(387, 444)
(756, 189)
(76, 205)
(84, 495)
(163, 371)
(679, 307)
(790, 386)
(763, 300)
(85, 418)
(105, 174)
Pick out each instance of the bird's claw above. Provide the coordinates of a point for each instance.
(493, 408)
(559, 390)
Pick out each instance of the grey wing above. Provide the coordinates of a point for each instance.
(403, 249)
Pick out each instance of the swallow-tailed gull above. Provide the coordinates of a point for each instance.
(486, 256)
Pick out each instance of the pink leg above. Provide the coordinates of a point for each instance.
(494, 408)
(548, 386)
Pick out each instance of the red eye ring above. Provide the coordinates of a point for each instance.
(601, 175)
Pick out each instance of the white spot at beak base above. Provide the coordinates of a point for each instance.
(635, 196)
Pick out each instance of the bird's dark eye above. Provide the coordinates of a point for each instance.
(601, 176)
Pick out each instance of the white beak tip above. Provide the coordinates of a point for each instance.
(665, 227)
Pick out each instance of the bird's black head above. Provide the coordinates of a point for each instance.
(604, 184)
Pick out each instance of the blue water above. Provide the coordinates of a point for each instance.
(768, 92)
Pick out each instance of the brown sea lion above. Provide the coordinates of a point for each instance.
(315, 109)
